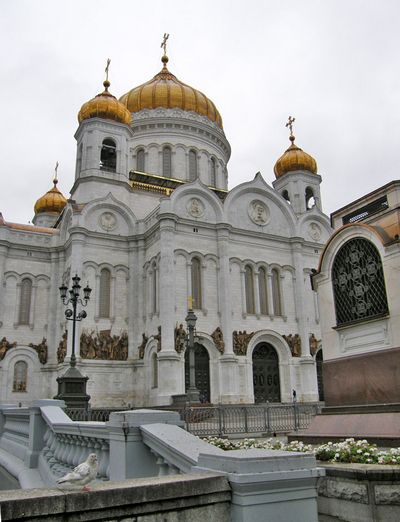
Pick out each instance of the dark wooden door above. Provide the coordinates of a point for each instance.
(266, 374)
(202, 371)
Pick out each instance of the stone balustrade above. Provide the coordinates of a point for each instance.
(39, 444)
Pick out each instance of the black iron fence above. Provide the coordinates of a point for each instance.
(226, 419)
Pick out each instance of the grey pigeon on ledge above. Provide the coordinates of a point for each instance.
(82, 474)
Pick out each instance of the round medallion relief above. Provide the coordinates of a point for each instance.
(258, 212)
(108, 221)
(314, 231)
(195, 207)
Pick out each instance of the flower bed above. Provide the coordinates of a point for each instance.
(348, 451)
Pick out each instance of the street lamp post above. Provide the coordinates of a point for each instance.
(193, 393)
(72, 385)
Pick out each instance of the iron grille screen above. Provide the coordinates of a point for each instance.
(358, 282)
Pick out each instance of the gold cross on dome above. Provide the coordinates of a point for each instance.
(290, 124)
(164, 42)
(55, 171)
(107, 67)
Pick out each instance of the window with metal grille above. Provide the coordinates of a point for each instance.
(166, 162)
(196, 283)
(25, 301)
(249, 286)
(140, 160)
(262, 285)
(358, 282)
(105, 287)
(20, 377)
(192, 165)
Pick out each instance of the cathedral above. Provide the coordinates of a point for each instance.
(151, 227)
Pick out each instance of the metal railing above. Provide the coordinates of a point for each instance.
(226, 419)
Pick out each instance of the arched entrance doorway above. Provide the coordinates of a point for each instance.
(266, 374)
(202, 371)
(319, 360)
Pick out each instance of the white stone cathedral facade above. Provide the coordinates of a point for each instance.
(150, 223)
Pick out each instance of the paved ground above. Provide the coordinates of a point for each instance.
(327, 518)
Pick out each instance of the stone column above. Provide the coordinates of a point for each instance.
(3, 257)
(169, 362)
(300, 298)
(229, 378)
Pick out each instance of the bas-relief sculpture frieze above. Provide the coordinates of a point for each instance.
(108, 221)
(5, 346)
(314, 343)
(180, 338)
(218, 338)
(142, 346)
(195, 208)
(41, 350)
(104, 346)
(62, 348)
(241, 341)
(294, 343)
(258, 212)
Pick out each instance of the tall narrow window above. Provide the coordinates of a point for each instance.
(20, 380)
(262, 286)
(105, 293)
(358, 282)
(249, 286)
(276, 292)
(166, 158)
(108, 156)
(25, 301)
(154, 370)
(140, 160)
(213, 173)
(196, 283)
(154, 290)
(192, 165)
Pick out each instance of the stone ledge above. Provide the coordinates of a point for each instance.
(116, 499)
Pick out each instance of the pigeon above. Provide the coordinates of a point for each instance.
(82, 474)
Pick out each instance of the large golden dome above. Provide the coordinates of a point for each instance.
(294, 158)
(53, 201)
(106, 106)
(165, 90)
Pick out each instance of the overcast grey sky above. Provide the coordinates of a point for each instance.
(333, 65)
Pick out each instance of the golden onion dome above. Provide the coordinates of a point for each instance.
(165, 90)
(106, 106)
(53, 201)
(294, 158)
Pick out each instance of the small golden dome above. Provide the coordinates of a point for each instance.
(53, 201)
(294, 158)
(106, 106)
(165, 90)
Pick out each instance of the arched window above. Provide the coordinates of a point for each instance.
(196, 283)
(213, 176)
(192, 165)
(358, 282)
(276, 292)
(105, 293)
(140, 160)
(249, 286)
(154, 370)
(310, 200)
(25, 301)
(285, 195)
(108, 156)
(166, 158)
(20, 381)
(262, 286)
